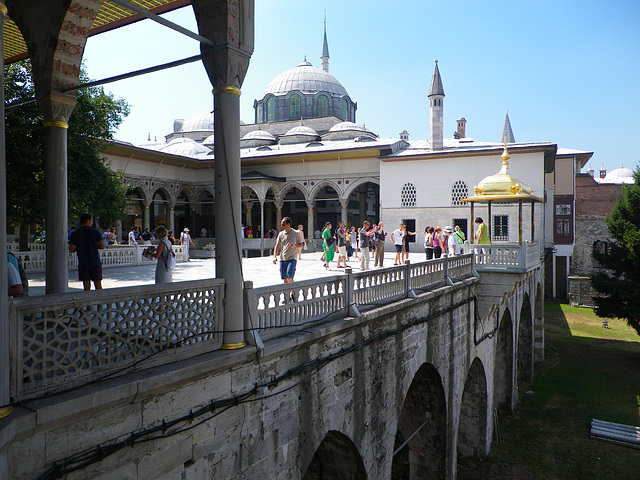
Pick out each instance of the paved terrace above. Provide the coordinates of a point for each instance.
(260, 270)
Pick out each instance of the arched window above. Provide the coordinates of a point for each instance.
(459, 190)
(271, 109)
(408, 195)
(344, 109)
(294, 107)
(323, 106)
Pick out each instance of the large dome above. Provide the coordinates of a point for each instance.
(304, 78)
(619, 176)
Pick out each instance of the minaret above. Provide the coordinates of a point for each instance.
(436, 96)
(506, 130)
(325, 48)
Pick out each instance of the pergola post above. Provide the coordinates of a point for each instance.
(57, 109)
(229, 24)
(5, 363)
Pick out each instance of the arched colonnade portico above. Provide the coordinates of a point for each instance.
(150, 204)
(310, 203)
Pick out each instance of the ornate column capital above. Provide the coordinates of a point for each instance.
(57, 108)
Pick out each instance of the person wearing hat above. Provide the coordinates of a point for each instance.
(437, 242)
(185, 240)
(453, 247)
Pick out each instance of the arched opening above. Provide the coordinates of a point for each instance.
(336, 458)
(295, 206)
(183, 213)
(525, 342)
(270, 224)
(250, 211)
(364, 204)
(420, 447)
(159, 209)
(327, 207)
(503, 371)
(472, 428)
(205, 218)
(133, 211)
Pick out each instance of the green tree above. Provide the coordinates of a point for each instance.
(619, 288)
(92, 186)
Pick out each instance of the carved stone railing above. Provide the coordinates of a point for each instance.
(61, 341)
(112, 256)
(507, 257)
(276, 310)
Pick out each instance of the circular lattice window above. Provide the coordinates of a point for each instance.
(458, 192)
(408, 195)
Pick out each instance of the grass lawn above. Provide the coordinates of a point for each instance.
(588, 372)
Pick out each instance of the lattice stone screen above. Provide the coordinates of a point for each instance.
(459, 190)
(408, 196)
(66, 340)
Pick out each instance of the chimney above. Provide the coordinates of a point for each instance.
(603, 172)
(462, 122)
(404, 135)
(590, 171)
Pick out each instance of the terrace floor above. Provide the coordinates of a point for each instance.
(260, 270)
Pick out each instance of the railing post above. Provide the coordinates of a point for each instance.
(250, 314)
(408, 291)
(352, 308)
(447, 280)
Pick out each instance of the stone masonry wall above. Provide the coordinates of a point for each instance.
(275, 433)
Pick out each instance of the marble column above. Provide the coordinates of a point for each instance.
(171, 221)
(57, 110)
(146, 218)
(229, 24)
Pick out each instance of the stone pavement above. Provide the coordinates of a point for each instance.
(260, 270)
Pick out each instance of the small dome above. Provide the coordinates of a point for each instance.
(257, 138)
(198, 123)
(259, 135)
(502, 186)
(184, 146)
(302, 130)
(209, 141)
(619, 175)
(153, 144)
(304, 78)
(342, 126)
(347, 131)
(299, 134)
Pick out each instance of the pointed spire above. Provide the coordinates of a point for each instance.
(507, 133)
(436, 83)
(325, 47)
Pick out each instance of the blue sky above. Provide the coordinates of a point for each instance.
(567, 71)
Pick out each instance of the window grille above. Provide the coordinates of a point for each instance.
(408, 195)
(459, 190)
(501, 228)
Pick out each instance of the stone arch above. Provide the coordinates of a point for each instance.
(423, 426)
(472, 426)
(362, 200)
(327, 204)
(294, 200)
(360, 181)
(287, 187)
(139, 186)
(137, 200)
(160, 206)
(503, 369)
(336, 457)
(315, 190)
(184, 210)
(205, 208)
(525, 341)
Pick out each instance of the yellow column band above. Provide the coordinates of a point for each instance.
(227, 89)
(56, 123)
(233, 346)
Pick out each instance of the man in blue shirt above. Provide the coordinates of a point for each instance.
(86, 241)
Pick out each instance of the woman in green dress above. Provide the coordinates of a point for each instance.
(327, 244)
